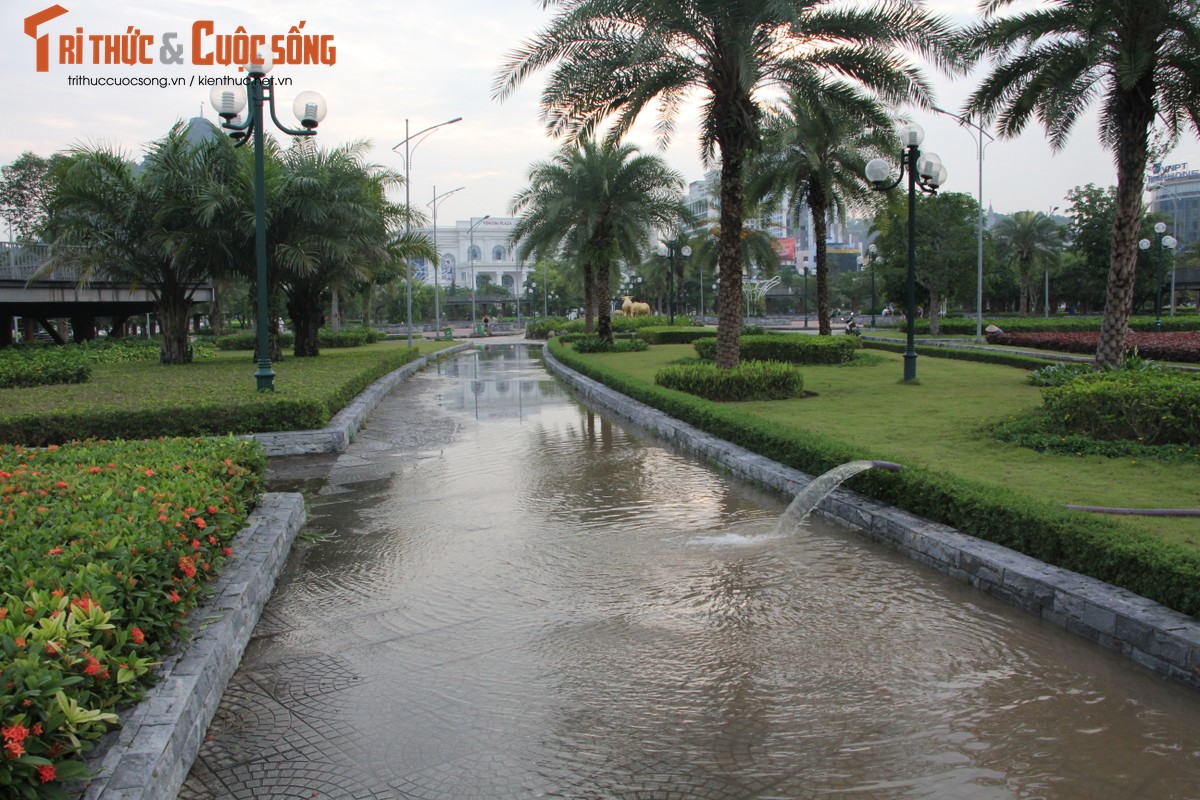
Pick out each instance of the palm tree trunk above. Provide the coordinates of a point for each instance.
(1131, 170)
(729, 258)
(173, 315)
(820, 231)
(589, 298)
(603, 307)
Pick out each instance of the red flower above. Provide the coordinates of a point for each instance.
(62, 485)
(174, 596)
(211, 509)
(136, 635)
(149, 473)
(95, 470)
(200, 523)
(187, 566)
(46, 773)
(56, 551)
(228, 551)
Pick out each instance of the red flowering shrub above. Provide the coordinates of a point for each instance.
(99, 568)
(1175, 346)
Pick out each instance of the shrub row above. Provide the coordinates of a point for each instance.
(1154, 407)
(542, 327)
(966, 326)
(347, 337)
(795, 348)
(42, 366)
(982, 356)
(667, 334)
(595, 344)
(1178, 346)
(1034, 432)
(1087, 544)
(750, 380)
(106, 549)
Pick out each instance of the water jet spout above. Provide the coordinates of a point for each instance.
(811, 495)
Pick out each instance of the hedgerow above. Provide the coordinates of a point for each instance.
(788, 348)
(749, 380)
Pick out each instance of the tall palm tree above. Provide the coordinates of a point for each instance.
(142, 226)
(1140, 59)
(615, 57)
(1033, 241)
(597, 202)
(818, 143)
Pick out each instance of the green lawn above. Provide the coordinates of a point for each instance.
(938, 422)
(227, 378)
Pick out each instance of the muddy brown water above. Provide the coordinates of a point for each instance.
(504, 595)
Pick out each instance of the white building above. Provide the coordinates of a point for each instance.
(475, 251)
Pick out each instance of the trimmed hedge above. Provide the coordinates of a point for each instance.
(1086, 544)
(999, 357)
(594, 344)
(347, 337)
(797, 348)
(1153, 407)
(673, 334)
(542, 328)
(750, 380)
(966, 326)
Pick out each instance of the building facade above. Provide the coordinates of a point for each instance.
(1174, 191)
(474, 252)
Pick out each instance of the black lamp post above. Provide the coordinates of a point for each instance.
(1164, 243)
(673, 250)
(310, 109)
(924, 171)
(806, 270)
(873, 252)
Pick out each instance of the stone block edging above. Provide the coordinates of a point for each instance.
(336, 437)
(1142, 630)
(148, 758)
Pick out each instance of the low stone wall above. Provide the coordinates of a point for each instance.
(1146, 632)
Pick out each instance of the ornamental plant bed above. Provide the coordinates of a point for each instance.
(107, 546)
(1175, 346)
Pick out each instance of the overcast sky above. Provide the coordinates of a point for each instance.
(423, 63)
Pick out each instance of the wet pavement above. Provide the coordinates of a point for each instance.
(503, 595)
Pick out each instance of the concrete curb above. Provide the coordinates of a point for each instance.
(148, 758)
(341, 429)
(1144, 631)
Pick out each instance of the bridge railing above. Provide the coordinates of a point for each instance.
(21, 261)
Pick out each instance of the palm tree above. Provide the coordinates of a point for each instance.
(596, 202)
(817, 145)
(1033, 241)
(615, 57)
(1140, 59)
(143, 226)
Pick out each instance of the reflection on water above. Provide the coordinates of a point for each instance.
(544, 603)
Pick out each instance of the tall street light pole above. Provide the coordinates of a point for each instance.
(310, 109)
(980, 146)
(408, 148)
(926, 172)
(873, 253)
(437, 267)
(471, 258)
(672, 250)
(1164, 243)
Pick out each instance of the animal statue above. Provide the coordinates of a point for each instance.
(627, 306)
(640, 309)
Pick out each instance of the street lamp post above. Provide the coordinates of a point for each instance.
(873, 252)
(408, 207)
(1164, 243)
(310, 109)
(806, 270)
(924, 171)
(672, 250)
(437, 267)
(980, 146)
(471, 258)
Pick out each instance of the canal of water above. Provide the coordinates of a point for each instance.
(505, 595)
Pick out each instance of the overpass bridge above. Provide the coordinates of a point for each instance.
(39, 306)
